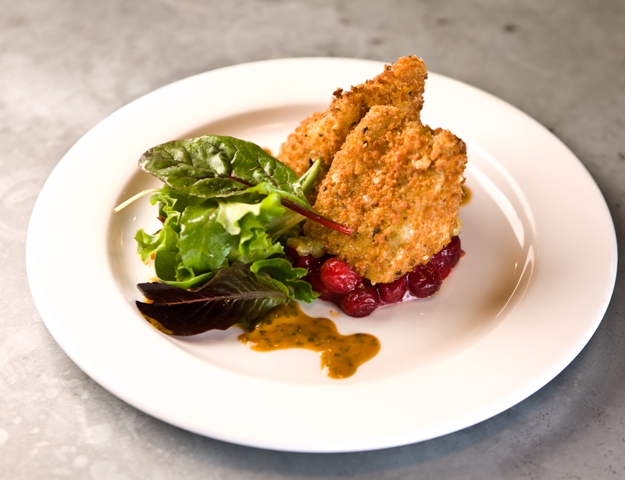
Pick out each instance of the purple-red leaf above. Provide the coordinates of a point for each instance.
(235, 295)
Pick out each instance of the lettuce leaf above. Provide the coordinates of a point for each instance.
(202, 236)
(283, 273)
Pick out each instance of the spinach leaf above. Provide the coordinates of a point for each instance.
(220, 166)
(212, 165)
(235, 295)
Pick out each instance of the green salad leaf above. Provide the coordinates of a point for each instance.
(213, 165)
(283, 273)
(227, 208)
(200, 236)
(220, 166)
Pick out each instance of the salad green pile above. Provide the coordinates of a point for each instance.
(227, 208)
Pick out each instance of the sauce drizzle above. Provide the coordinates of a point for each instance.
(287, 326)
(466, 195)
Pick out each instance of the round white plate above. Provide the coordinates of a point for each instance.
(536, 279)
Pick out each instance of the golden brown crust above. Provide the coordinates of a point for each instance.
(397, 183)
(322, 135)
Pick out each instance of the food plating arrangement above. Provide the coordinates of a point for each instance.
(359, 208)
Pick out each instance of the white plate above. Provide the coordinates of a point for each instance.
(521, 304)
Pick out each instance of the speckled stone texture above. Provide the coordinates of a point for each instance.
(67, 64)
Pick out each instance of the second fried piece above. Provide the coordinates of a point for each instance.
(321, 135)
(397, 183)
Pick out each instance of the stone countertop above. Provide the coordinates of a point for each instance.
(66, 65)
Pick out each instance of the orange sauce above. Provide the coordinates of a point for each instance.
(466, 195)
(287, 326)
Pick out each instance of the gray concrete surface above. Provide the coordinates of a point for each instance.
(65, 65)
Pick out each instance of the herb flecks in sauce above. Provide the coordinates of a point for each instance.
(288, 327)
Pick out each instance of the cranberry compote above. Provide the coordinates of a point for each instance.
(338, 276)
(424, 281)
(360, 302)
(308, 262)
(447, 258)
(393, 292)
(340, 284)
(291, 254)
(317, 285)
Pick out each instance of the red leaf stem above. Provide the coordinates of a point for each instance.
(318, 218)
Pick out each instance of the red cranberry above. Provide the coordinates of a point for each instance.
(360, 302)
(291, 254)
(424, 280)
(338, 276)
(308, 262)
(318, 286)
(447, 258)
(393, 292)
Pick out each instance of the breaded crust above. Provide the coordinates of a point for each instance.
(397, 183)
(321, 135)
